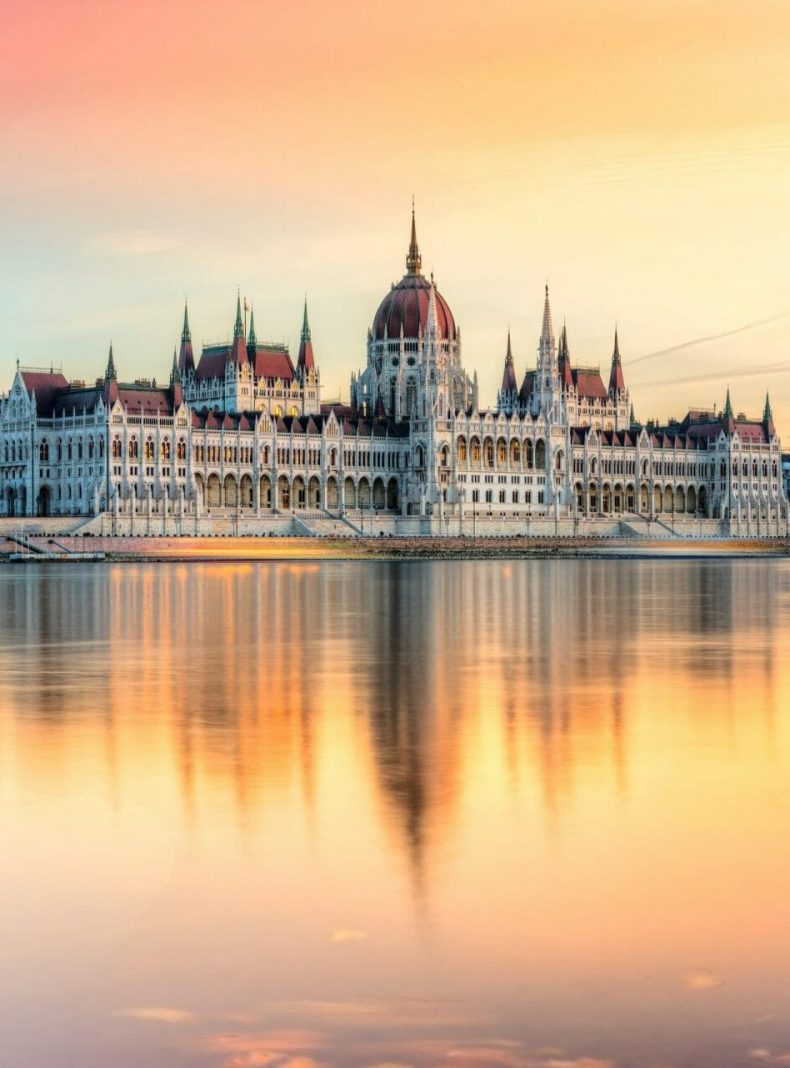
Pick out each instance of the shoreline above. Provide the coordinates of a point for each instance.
(68, 549)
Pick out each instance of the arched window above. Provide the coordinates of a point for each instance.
(116, 448)
(43, 452)
(148, 452)
(133, 448)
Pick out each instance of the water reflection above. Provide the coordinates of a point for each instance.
(442, 787)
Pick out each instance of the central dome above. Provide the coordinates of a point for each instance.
(406, 305)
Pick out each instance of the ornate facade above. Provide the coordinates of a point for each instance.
(244, 431)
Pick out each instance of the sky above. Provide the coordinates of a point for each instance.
(635, 156)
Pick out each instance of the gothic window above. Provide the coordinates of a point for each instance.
(43, 452)
(133, 448)
(116, 448)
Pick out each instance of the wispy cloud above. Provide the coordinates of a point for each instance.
(158, 1013)
(702, 981)
(347, 934)
(132, 243)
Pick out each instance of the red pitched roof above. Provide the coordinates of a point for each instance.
(140, 400)
(589, 383)
(46, 386)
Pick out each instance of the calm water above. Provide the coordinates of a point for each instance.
(528, 814)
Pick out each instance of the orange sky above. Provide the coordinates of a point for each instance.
(635, 155)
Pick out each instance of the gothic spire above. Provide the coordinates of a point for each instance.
(238, 349)
(110, 374)
(547, 331)
(432, 324)
(252, 339)
(564, 360)
(186, 360)
(306, 361)
(767, 413)
(238, 328)
(175, 383)
(414, 259)
(728, 404)
(509, 373)
(616, 380)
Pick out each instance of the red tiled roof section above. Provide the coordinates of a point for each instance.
(269, 363)
(212, 363)
(146, 401)
(589, 384)
(754, 432)
(45, 385)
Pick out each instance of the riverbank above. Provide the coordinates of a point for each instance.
(68, 549)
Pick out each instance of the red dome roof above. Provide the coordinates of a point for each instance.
(406, 305)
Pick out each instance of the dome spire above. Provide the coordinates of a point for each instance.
(414, 259)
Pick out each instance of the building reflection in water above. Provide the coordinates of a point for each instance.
(229, 667)
(239, 785)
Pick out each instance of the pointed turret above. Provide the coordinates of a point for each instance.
(727, 418)
(251, 338)
(509, 373)
(616, 380)
(306, 362)
(432, 330)
(564, 361)
(413, 259)
(238, 350)
(186, 360)
(768, 418)
(175, 382)
(110, 391)
(110, 373)
(547, 330)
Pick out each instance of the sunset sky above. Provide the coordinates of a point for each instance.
(635, 155)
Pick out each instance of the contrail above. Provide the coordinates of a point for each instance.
(709, 337)
(723, 376)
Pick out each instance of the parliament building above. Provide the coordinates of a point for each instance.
(242, 431)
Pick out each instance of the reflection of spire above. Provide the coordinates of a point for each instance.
(414, 259)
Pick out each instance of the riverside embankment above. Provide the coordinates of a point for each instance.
(65, 548)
